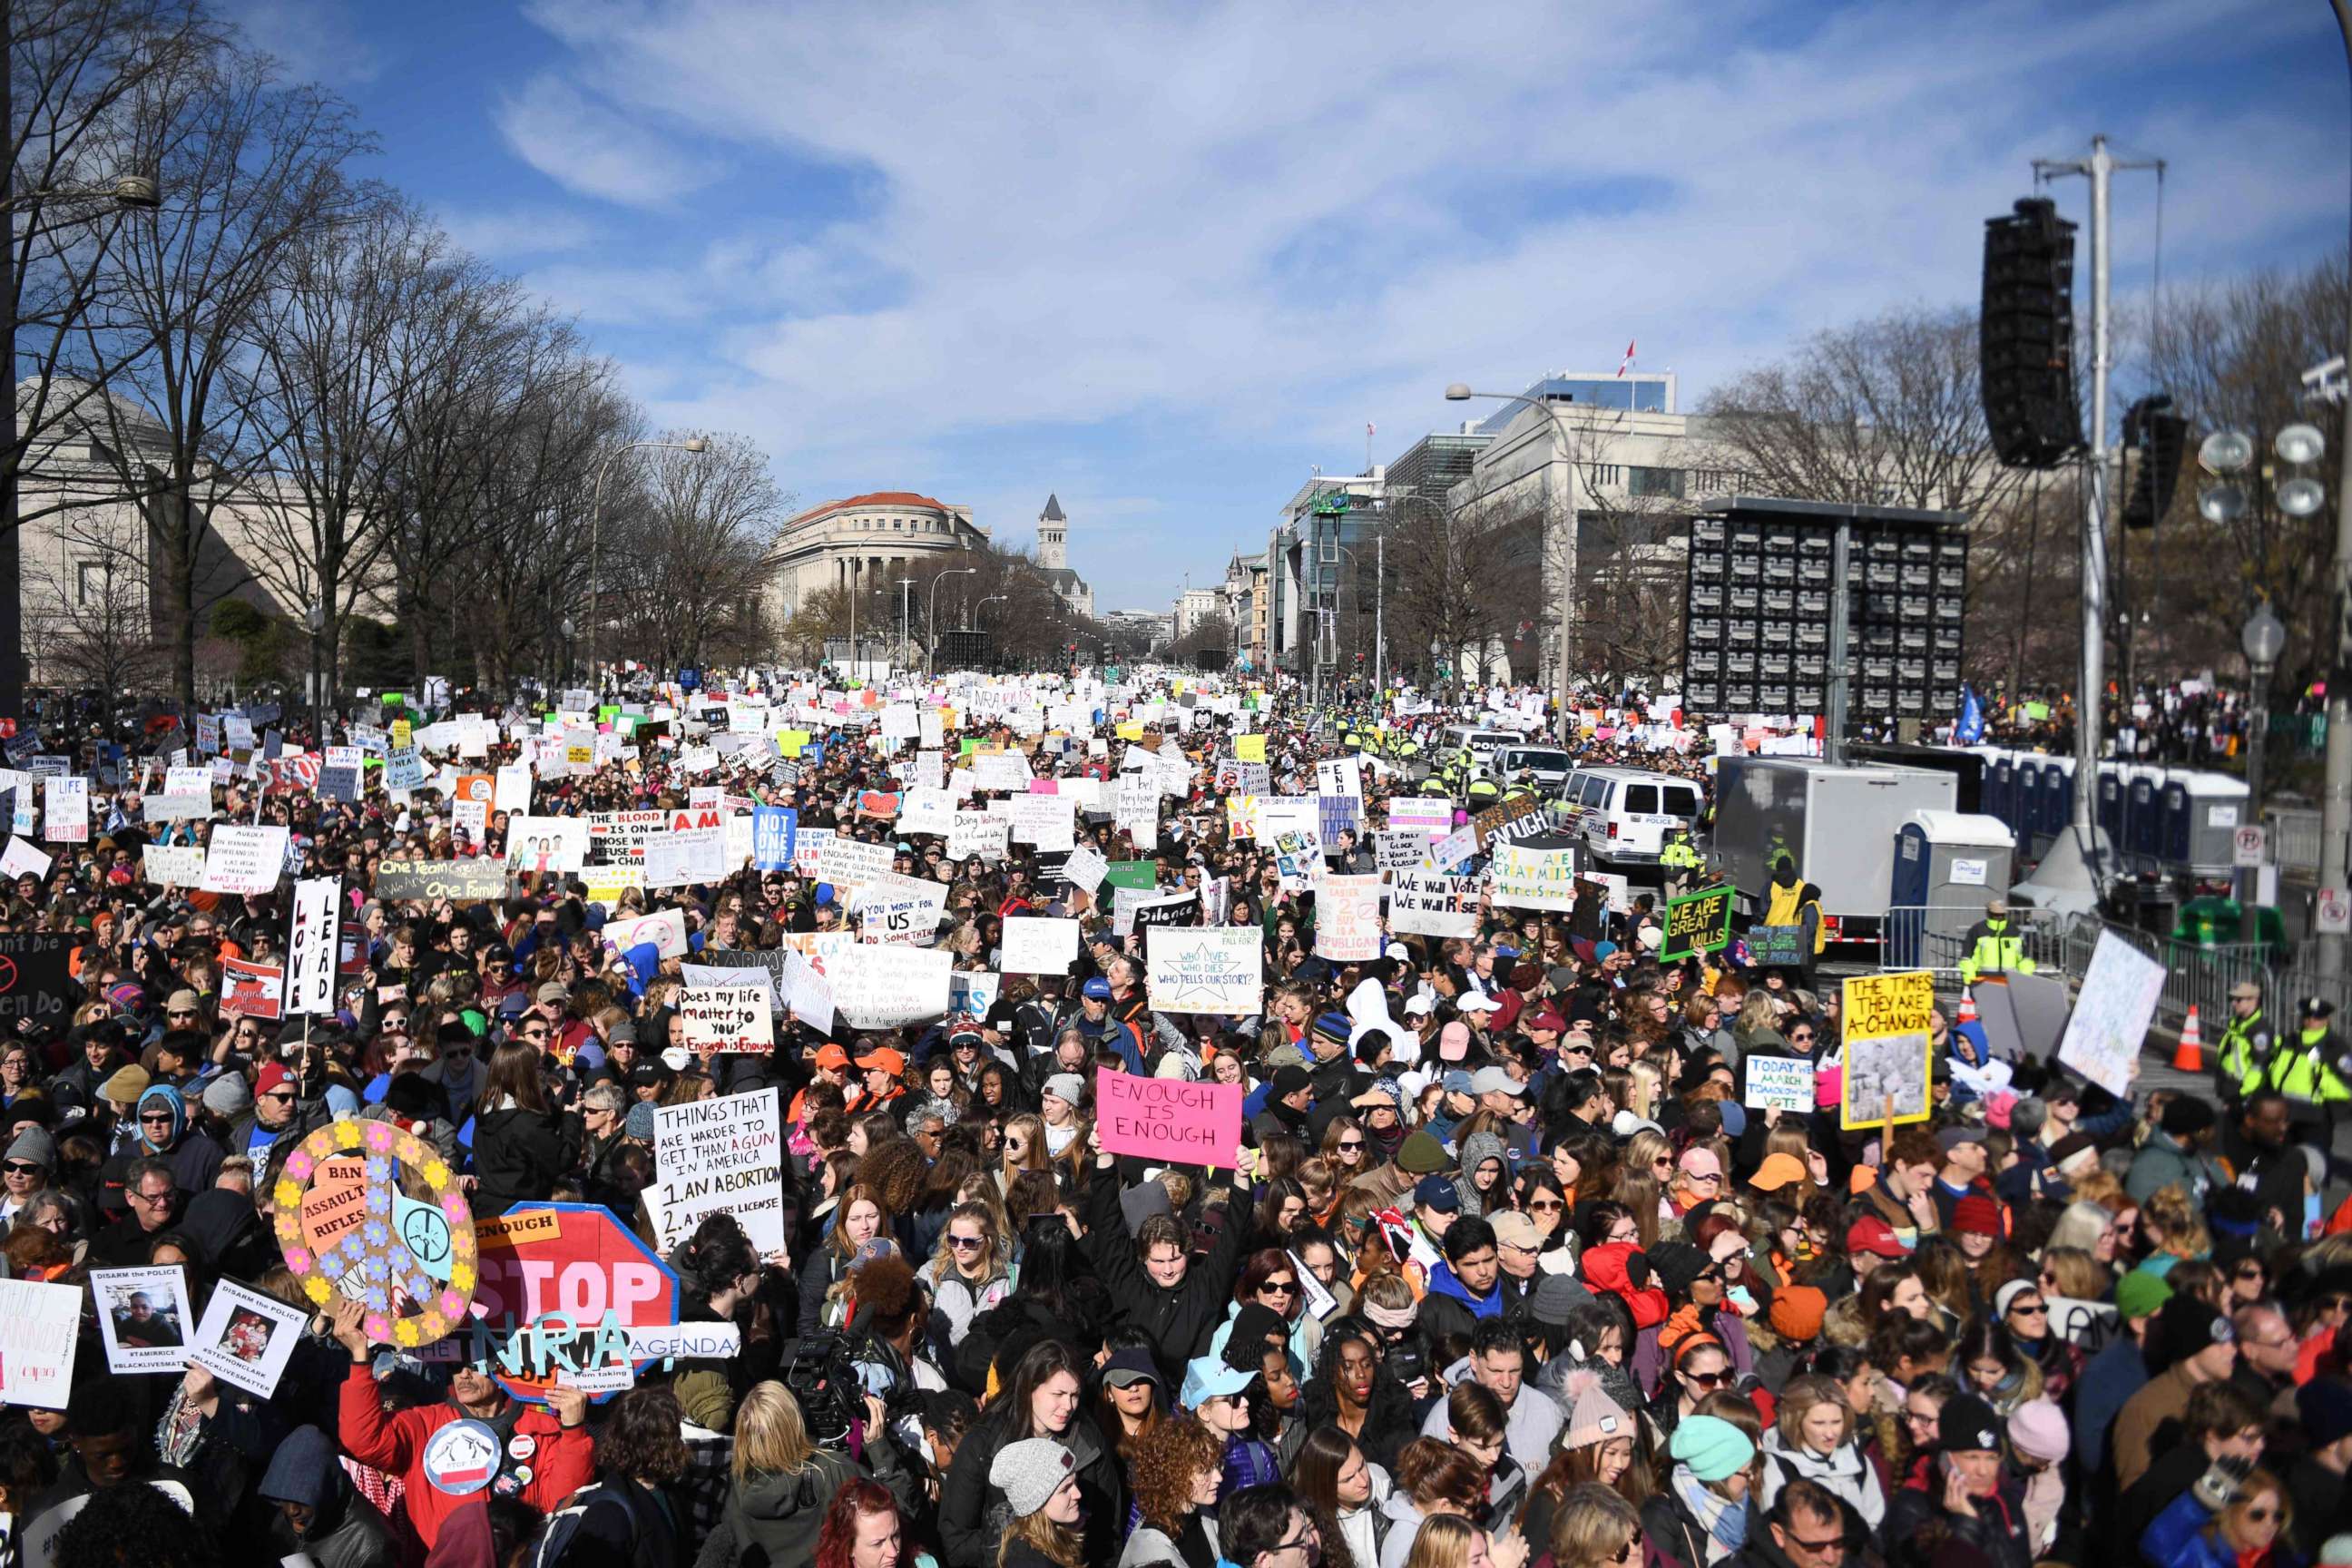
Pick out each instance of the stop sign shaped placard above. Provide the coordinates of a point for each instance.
(561, 1285)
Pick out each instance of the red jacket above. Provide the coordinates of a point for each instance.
(563, 1461)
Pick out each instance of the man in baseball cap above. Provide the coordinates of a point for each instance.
(1869, 1242)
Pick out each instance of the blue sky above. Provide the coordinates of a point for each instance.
(1165, 260)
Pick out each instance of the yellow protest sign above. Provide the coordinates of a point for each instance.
(791, 742)
(401, 733)
(1888, 1048)
(1249, 748)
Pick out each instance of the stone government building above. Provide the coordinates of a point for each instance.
(868, 540)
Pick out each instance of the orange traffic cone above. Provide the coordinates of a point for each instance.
(1968, 1009)
(2190, 1056)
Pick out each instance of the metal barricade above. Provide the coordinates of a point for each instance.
(1934, 937)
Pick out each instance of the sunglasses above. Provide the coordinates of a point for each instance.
(1351, 1146)
(965, 1243)
(1279, 1288)
(1547, 1205)
(1709, 1379)
(2261, 1515)
(2038, 1310)
(162, 1116)
(21, 1168)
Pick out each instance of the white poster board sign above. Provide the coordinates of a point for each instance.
(1777, 1083)
(246, 1337)
(1035, 945)
(885, 985)
(143, 1317)
(719, 1156)
(724, 1018)
(247, 860)
(39, 1324)
(1206, 969)
(2112, 1011)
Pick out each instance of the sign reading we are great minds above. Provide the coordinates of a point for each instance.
(1167, 1120)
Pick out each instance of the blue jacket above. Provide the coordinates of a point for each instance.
(2113, 1376)
(1443, 1282)
(2178, 1539)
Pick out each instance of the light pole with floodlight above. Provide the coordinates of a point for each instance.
(1459, 393)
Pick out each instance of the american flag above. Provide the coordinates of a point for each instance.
(1627, 362)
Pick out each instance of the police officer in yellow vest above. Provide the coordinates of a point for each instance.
(1680, 861)
(2244, 1043)
(1992, 949)
(2309, 1068)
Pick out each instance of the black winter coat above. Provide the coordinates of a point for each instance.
(974, 1515)
(519, 1156)
(1178, 1319)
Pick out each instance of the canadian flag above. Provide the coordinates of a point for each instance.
(1627, 362)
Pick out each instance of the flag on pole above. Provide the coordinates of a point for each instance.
(1627, 362)
(1969, 730)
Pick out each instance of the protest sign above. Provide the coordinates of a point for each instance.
(1528, 877)
(726, 1019)
(1348, 917)
(173, 865)
(1167, 1120)
(1777, 947)
(1696, 923)
(1035, 945)
(978, 833)
(1430, 816)
(253, 990)
(666, 929)
(347, 1226)
(974, 990)
(1140, 874)
(888, 986)
(772, 830)
(171, 808)
(1340, 776)
(1777, 1083)
(1430, 903)
(39, 1324)
(678, 860)
(562, 1286)
(1503, 814)
(849, 863)
(248, 860)
(2112, 1012)
(1085, 869)
(470, 821)
(1399, 850)
(892, 907)
(1047, 821)
(246, 1338)
(1886, 1048)
(927, 810)
(1337, 814)
(806, 993)
(34, 978)
(143, 1317)
(470, 882)
(22, 859)
(1454, 849)
(1177, 909)
(512, 794)
(310, 949)
(722, 1155)
(1210, 969)
(536, 844)
(65, 810)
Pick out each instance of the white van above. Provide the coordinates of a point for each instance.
(1626, 814)
(1481, 743)
(1547, 767)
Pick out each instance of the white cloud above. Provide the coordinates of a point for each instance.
(1245, 223)
(506, 233)
(314, 40)
(587, 147)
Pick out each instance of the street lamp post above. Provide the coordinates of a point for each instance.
(931, 615)
(126, 193)
(1458, 393)
(566, 678)
(2263, 640)
(317, 618)
(597, 534)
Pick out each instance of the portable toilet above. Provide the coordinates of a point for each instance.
(2203, 813)
(2001, 787)
(2058, 783)
(2143, 837)
(1946, 865)
(2108, 804)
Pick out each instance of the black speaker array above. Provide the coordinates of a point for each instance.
(2026, 336)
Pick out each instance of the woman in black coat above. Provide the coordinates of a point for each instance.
(523, 1145)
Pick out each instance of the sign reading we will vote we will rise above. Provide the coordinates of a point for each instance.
(1167, 1120)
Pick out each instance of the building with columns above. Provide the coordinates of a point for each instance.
(862, 543)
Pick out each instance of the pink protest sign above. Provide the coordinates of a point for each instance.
(1044, 786)
(1167, 1120)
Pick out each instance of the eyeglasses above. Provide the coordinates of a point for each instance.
(1701, 1178)
(1616, 1237)
(163, 1198)
(965, 1243)
(1299, 1543)
(1800, 1036)
(2334, 1303)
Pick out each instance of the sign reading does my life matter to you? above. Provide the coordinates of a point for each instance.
(1168, 1121)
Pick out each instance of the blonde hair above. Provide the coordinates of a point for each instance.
(2076, 1273)
(1643, 1099)
(771, 1438)
(1442, 1542)
(1031, 1126)
(1057, 1542)
(1592, 1526)
(1799, 1399)
(2249, 1492)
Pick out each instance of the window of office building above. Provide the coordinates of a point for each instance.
(1668, 482)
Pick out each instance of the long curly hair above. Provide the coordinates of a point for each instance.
(1166, 1458)
(836, 1536)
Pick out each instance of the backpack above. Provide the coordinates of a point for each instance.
(561, 1543)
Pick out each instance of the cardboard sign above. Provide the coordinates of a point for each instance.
(470, 881)
(666, 929)
(892, 907)
(1035, 945)
(681, 859)
(2112, 1012)
(253, 990)
(719, 1156)
(773, 829)
(143, 1317)
(1696, 923)
(310, 951)
(727, 1018)
(1430, 903)
(1167, 1120)
(173, 865)
(1503, 813)
(888, 986)
(1527, 878)
(1348, 919)
(65, 810)
(1206, 969)
(39, 1325)
(1777, 1083)
(1886, 1047)
(562, 1286)
(247, 860)
(246, 1338)
(978, 834)
(1777, 947)
(22, 859)
(1085, 869)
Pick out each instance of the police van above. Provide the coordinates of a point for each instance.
(1547, 767)
(1626, 814)
(1479, 745)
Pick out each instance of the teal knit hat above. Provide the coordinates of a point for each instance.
(1712, 1446)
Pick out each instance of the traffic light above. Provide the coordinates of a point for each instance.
(2161, 438)
(2025, 345)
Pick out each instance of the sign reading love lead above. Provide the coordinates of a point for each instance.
(311, 952)
(1166, 1121)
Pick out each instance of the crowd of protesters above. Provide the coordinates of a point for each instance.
(1504, 1270)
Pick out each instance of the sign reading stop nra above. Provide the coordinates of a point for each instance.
(561, 1287)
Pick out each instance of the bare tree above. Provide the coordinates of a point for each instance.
(1467, 580)
(91, 603)
(686, 566)
(252, 164)
(1632, 581)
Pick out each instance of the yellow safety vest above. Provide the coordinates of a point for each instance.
(2235, 1059)
(2300, 1074)
(1782, 909)
(1678, 856)
(1997, 951)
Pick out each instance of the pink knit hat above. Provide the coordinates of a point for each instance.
(2037, 1429)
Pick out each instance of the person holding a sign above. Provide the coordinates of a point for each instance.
(1150, 1275)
